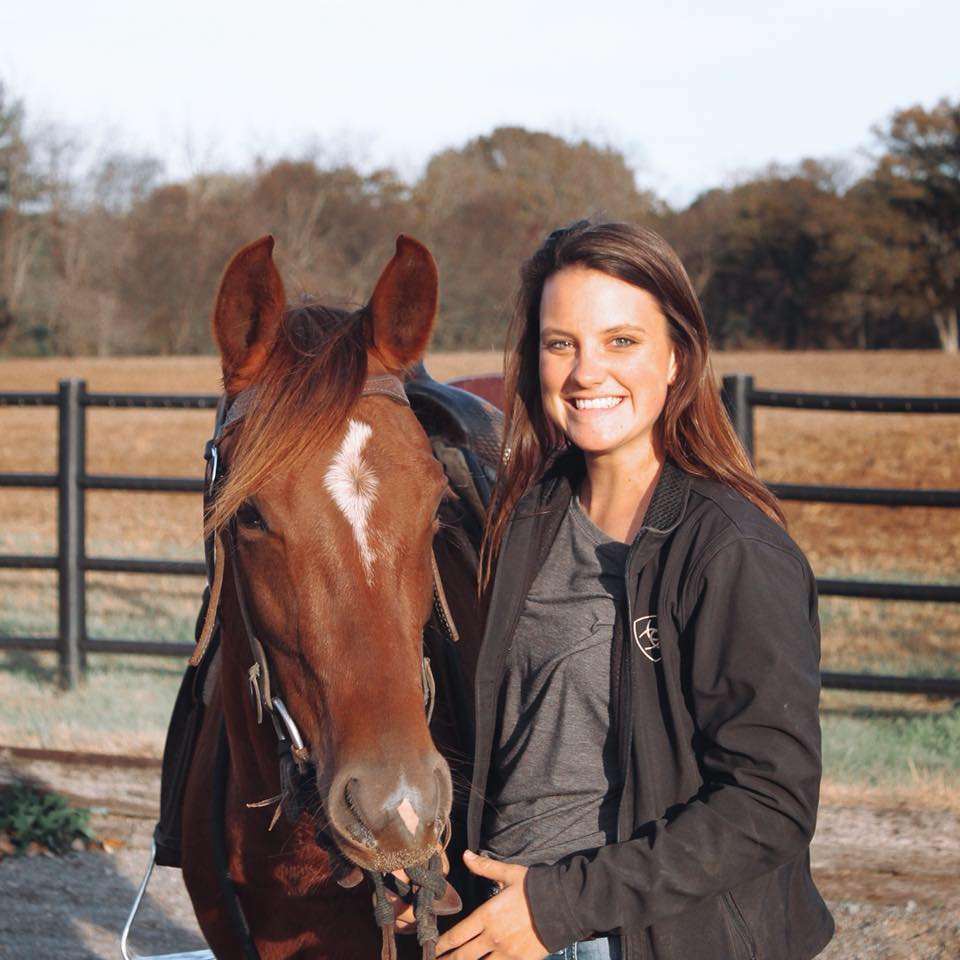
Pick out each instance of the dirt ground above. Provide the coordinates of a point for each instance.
(891, 876)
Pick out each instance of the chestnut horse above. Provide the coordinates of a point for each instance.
(323, 506)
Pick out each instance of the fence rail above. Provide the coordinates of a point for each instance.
(72, 481)
(741, 397)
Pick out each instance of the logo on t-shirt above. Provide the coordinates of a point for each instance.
(648, 640)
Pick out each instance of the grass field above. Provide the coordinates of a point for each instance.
(897, 741)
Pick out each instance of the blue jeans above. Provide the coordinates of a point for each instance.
(606, 948)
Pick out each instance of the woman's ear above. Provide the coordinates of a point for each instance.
(673, 368)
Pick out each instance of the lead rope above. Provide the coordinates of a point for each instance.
(384, 915)
(428, 885)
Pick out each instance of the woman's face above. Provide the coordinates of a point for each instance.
(606, 360)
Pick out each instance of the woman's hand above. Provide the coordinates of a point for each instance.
(500, 929)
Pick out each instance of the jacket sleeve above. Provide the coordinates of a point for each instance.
(750, 663)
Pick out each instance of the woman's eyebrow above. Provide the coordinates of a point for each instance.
(625, 328)
(605, 332)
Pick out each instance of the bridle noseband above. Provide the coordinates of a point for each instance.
(292, 751)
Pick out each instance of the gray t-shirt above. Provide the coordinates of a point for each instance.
(554, 785)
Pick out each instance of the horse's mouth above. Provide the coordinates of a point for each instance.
(360, 847)
(390, 861)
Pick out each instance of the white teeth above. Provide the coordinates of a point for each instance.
(596, 403)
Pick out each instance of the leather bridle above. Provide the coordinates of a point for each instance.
(292, 751)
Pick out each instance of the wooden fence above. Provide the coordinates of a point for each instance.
(741, 398)
(72, 481)
(71, 561)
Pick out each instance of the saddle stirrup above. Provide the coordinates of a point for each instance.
(128, 954)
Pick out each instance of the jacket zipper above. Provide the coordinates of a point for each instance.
(627, 943)
(739, 924)
(624, 719)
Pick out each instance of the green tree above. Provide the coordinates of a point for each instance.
(879, 304)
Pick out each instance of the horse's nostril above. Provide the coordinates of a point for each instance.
(361, 834)
(349, 795)
(357, 828)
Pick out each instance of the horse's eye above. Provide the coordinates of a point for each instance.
(250, 518)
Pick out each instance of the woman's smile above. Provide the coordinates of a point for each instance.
(595, 403)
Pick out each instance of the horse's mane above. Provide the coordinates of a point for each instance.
(311, 379)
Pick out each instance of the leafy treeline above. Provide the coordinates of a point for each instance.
(119, 261)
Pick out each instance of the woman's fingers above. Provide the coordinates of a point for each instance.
(496, 870)
(465, 931)
(500, 929)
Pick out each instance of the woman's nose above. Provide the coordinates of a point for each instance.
(588, 371)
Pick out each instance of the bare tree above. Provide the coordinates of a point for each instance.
(20, 238)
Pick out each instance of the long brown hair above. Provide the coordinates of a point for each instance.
(694, 429)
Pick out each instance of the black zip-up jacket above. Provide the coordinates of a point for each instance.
(717, 680)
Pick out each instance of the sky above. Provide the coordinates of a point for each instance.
(695, 95)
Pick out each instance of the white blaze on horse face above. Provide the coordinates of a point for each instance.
(353, 485)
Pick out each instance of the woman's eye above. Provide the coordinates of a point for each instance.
(623, 341)
(250, 518)
(557, 344)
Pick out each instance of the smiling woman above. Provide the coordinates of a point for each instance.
(647, 755)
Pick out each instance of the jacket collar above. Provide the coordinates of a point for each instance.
(564, 475)
(669, 501)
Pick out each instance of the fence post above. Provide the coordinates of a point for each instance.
(737, 388)
(71, 531)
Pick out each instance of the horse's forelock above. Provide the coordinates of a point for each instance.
(311, 380)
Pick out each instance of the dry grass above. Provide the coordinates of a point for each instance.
(921, 791)
(122, 707)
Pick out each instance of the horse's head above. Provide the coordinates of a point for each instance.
(328, 506)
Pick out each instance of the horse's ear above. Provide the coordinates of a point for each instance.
(403, 307)
(247, 314)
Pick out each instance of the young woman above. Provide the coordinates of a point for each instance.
(648, 750)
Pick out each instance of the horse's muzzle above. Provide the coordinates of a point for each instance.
(387, 815)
